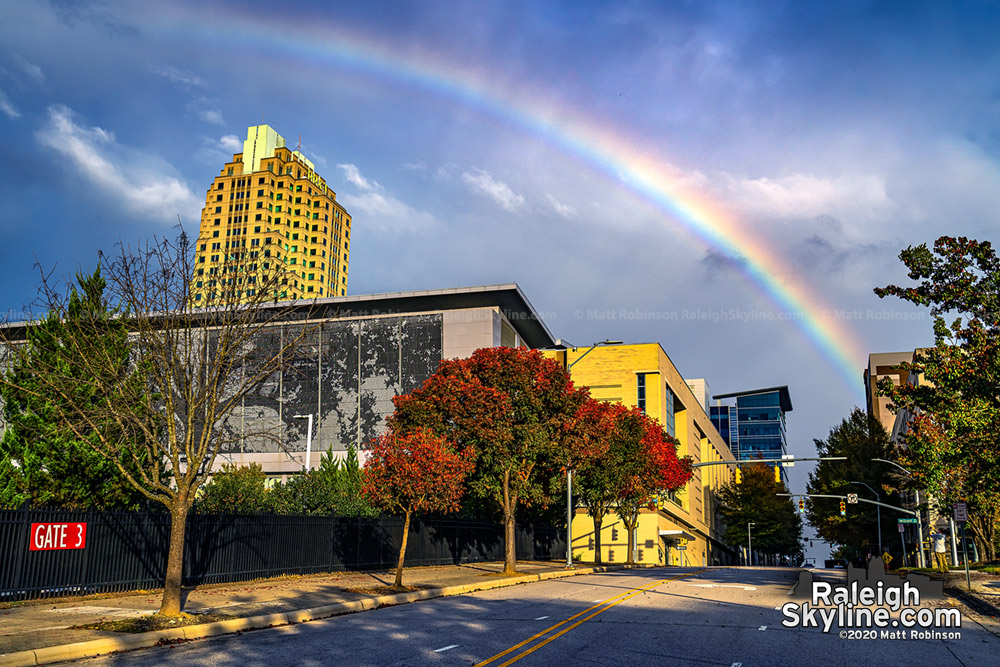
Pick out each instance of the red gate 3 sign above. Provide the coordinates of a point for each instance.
(51, 536)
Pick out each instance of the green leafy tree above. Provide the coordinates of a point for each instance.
(953, 445)
(512, 406)
(777, 527)
(157, 409)
(236, 489)
(45, 461)
(334, 487)
(860, 438)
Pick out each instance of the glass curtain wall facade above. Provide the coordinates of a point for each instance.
(753, 422)
(761, 426)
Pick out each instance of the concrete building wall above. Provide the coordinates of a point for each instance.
(611, 372)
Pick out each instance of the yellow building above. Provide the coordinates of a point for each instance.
(269, 205)
(684, 529)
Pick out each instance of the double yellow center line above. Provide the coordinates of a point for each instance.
(587, 614)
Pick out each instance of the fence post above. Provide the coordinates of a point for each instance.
(22, 548)
(88, 519)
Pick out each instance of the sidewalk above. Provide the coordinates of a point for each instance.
(42, 631)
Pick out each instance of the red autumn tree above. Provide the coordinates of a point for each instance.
(650, 467)
(600, 422)
(511, 405)
(416, 472)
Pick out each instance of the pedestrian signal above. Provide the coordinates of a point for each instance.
(843, 508)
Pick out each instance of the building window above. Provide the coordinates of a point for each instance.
(640, 391)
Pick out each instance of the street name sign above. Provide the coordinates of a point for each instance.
(912, 519)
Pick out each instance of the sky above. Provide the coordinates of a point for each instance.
(730, 180)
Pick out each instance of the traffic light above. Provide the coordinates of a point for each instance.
(777, 474)
(739, 475)
(843, 508)
(802, 506)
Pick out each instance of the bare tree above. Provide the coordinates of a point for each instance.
(159, 407)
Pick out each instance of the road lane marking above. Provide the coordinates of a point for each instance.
(746, 588)
(762, 628)
(601, 608)
(541, 618)
(737, 664)
(445, 648)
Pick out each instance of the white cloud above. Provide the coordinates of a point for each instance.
(380, 211)
(204, 109)
(807, 195)
(386, 214)
(419, 165)
(480, 181)
(213, 116)
(32, 70)
(354, 176)
(231, 143)
(7, 107)
(562, 209)
(144, 184)
(179, 77)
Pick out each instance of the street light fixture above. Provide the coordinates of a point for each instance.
(878, 509)
(309, 437)
(920, 521)
(569, 471)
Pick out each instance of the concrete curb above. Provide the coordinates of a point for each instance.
(95, 647)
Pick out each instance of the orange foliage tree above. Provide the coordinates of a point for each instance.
(416, 472)
(513, 406)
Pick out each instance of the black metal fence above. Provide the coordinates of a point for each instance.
(128, 550)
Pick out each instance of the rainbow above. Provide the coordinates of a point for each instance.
(601, 148)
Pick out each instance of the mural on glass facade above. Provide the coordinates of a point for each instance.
(345, 373)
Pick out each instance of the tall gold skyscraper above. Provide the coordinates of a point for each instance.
(270, 206)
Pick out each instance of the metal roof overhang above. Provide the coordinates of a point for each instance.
(677, 534)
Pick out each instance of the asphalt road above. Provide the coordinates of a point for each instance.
(717, 616)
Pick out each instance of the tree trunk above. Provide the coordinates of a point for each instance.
(983, 526)
(402, 551)
(170, 605)
(598, 522)
(631, 526)
(509, 554)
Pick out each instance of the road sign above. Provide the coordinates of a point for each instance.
(852, 498)
(961, 512)
(681, 548)
(886, 558)
(902, 527)
(53, 536)
(908, 520)
(788, 460)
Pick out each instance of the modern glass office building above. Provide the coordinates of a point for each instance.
(753, 422)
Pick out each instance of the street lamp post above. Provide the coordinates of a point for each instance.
(569, 470)
(309, 437)
(749, 544)
(878, 509)
(920, 520)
